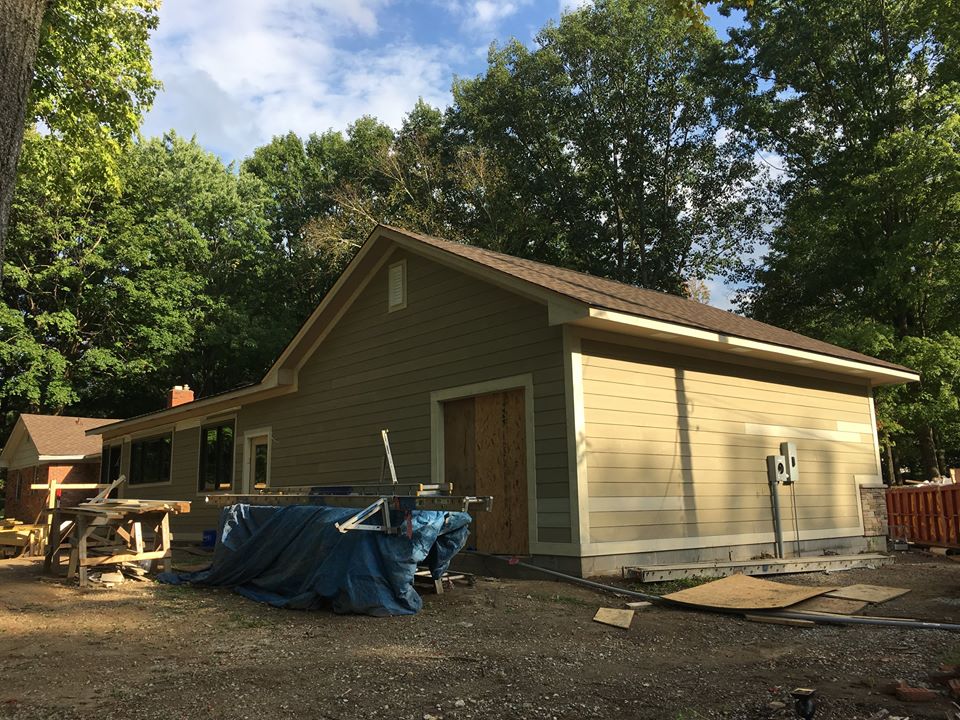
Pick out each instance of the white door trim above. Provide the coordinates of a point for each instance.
(246, 487)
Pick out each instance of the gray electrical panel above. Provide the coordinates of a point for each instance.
(789, 452)
(777, 470)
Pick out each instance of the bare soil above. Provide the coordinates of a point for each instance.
(500, 649)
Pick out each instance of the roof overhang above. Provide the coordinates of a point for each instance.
(611, 321)
(204, 407)
(67, 458)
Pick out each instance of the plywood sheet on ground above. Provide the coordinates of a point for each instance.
(868, 593)
(827, 604)
(740, 592)
(614, 616)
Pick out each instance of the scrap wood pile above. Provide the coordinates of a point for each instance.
(17, 537)
(109, 531)
(780, 603)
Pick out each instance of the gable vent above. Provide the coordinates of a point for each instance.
(397, 290)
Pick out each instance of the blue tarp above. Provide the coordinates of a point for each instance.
(294, 557)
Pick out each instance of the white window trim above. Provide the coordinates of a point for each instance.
(216, 420)
(248, 437)
(402, 264)
(525, 381)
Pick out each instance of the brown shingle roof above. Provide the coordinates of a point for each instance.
(64, 435)
(611, 295)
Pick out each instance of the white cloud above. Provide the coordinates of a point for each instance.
(237, 73)
(566, 6)
(721, 293)
(483, 16)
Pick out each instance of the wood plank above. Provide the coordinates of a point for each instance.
(868, 593)
(740, 592)
(615, 617)
(771, 620)
(125, 557)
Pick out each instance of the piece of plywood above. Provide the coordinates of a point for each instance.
(868, 593)
(832, 605)
(740, 592)
(501, 471)
(614, 616)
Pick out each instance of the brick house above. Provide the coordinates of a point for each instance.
(50, 447)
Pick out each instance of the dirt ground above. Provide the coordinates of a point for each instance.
(500, 649)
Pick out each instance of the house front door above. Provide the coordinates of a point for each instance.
(485, 453)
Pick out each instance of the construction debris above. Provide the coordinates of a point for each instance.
(105, 531)
(868, 593)
(741, 592)
(615, 617)
(20, 538)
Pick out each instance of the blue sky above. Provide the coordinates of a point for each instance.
(238, 72)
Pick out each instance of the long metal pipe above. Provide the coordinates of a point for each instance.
(777, 528)
(787, 614)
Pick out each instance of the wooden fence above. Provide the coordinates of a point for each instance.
(926, 515)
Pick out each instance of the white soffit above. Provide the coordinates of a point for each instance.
(683, 335)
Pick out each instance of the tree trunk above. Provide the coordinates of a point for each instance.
(889, 466)
(928, 453)
(19, 36)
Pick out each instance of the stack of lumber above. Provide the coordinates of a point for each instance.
(112, 506)
(18, 537)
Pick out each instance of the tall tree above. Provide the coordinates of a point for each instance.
(616, 158)
(92, 83)
(112, 297)
(861, 108)
(19, 35)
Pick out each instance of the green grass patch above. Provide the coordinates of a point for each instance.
(670, 586)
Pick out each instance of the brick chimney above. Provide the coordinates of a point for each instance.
(178, 395)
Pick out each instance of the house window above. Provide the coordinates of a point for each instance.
(216, 457)
(397, 286)
(150, 460)
(110, 464)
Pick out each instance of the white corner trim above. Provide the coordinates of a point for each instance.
(576, 436)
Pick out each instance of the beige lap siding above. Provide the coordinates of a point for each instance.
(676, 449)
(376, 369)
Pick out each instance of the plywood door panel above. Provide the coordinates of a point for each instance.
(485, 453)
(501, 472)
(459, 445)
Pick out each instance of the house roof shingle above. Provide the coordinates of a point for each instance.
(620, 297)
(62, 435)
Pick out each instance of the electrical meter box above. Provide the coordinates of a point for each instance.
(777, 469)
(789, 451)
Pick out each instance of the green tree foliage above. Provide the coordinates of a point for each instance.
(112, 299)
(860, 103)
(616, 159)
(329, 191)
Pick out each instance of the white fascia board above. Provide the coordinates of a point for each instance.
(172, 416)
(62, 458)
(730, 343)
